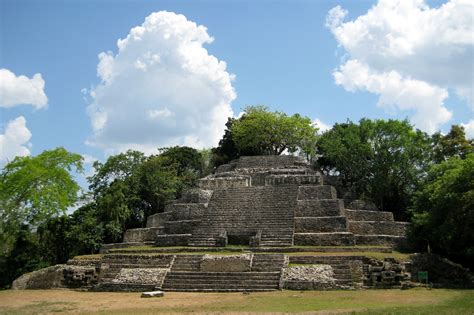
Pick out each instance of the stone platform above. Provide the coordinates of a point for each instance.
(268, 201)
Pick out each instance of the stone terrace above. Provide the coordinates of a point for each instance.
(269, 203)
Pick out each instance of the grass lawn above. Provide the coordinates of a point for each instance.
(415, 301)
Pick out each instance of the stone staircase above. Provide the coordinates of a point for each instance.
(247, 211)
(186, 263)
(320, 219)
(268, 262)
(221, 281)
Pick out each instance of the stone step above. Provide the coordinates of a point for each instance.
(158, 219)
(320, 224)
(378, 228)
(317, 192)
(172, 240)
(319, 208)
(186, 211)
(180, 227)
(306, 179)
(224, 286)
(221, 282)
(376, 240)
(324, 239)
(220, 290)
(142, 234)
(367, 215)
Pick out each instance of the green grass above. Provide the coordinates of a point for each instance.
(414, 301)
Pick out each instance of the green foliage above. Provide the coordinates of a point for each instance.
(262, 132)
(158, 182)
(34, 189)
(25, 256)
(53, 239)
(443, 210)
(188, 163)
(381, 160)
(226, 151)
(129, 187)
(454, 143)
(86, 233)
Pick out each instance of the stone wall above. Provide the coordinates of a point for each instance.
(227, 263)
(310, 277)
(58, 276)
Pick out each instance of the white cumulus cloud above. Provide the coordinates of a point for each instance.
(19, 90)
(322, 127)
(469, 129)
(409, 54)
(14, 140)
(160, 88)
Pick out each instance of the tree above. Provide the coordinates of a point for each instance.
(33, 189)
(226, 151)
(443, 215)
(262, 132)
(454, 143)
(188, 163)
(129, 187)
(381, 160)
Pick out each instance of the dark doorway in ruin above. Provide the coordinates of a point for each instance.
(238, 239)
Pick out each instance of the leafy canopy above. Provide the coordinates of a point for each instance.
(381, 160)
(443, 213)
(33, 189)
(262, 132)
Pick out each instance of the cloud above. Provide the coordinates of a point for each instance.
(397, 93)
(322, 127)
(469, 129)
(14, 140)
(21, 90)
(423, 51)
(161, 88)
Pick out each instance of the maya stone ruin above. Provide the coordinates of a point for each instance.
(258, 223)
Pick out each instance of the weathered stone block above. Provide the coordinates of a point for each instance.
(141, 234)
(319, 208)
(158, 219)
(324, 239)
(274, 180)
(153, 276)
(317, 192)
(398, 242)
(365, 215)
(362, 205)
(180, 227)
(152, 294)
(228, 182)
(311, 277)
(378, 227)
(231, 263)
(46, 278)
(321, 224)
(172, 240)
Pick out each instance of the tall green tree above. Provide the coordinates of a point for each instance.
(129, 187)
(34, 189)
(272, 133)
(443, 210)
(381, 160)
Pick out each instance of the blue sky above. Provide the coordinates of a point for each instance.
(322, 59)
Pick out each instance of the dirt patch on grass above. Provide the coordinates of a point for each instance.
(319, 302)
